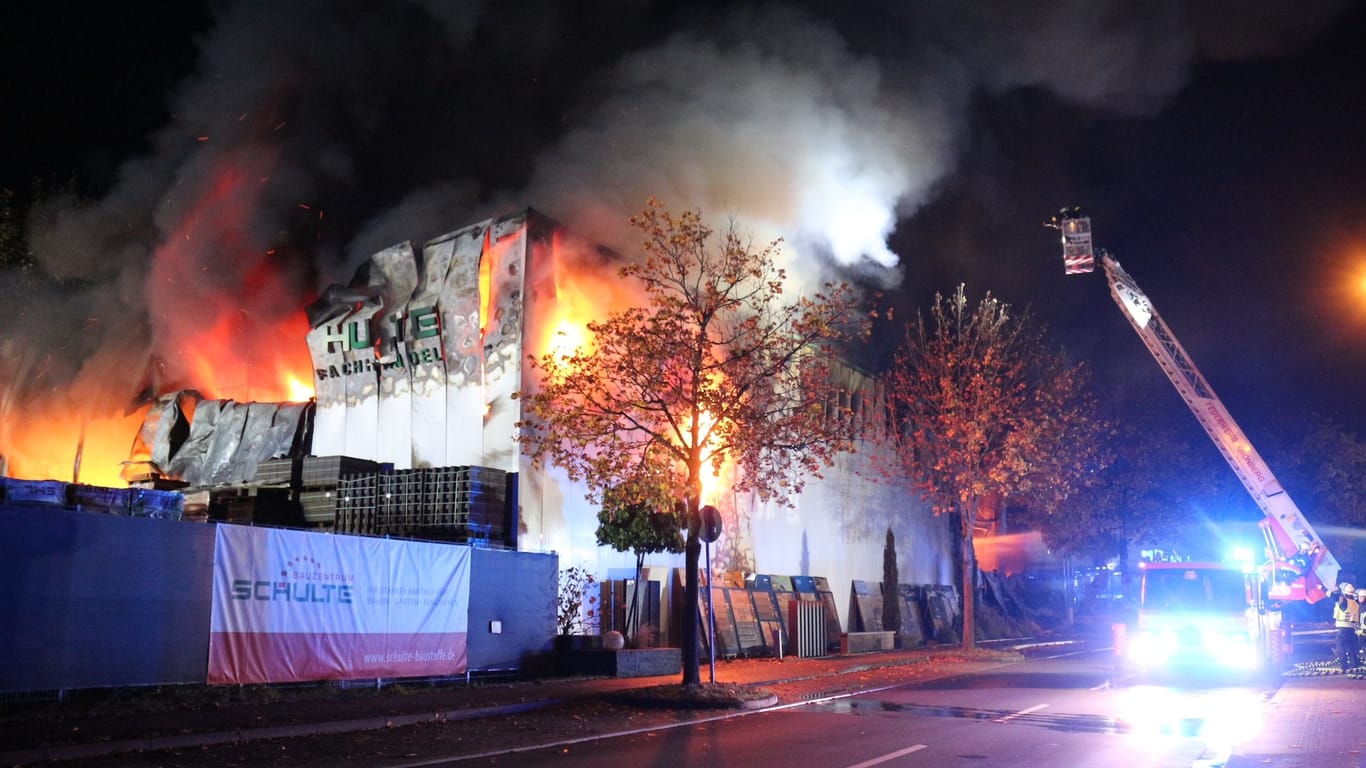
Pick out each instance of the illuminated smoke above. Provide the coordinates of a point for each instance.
(788, 131)
(313, 134)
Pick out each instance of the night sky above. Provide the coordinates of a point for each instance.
(1220, 148)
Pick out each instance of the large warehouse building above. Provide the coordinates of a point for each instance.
(455, 318)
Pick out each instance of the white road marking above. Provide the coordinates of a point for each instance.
(890, 756)
(1021, 713)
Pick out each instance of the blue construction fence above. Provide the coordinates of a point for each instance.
(94, 599)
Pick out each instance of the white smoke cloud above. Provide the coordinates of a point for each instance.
(789, 131)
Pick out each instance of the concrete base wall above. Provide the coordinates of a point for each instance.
(628, 662)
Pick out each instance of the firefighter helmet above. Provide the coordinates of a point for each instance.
(1347, 588)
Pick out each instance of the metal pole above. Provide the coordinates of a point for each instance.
(711, 618)
(1068, 590)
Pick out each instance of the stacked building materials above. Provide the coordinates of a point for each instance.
(400, 510)
(357, 504)
(149, 502)
(40, 492)
(482, 492)
(312, 483)
(463, 504)
(93, 498)
(136, 502)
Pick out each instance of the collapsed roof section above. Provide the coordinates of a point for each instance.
(204, 443)
(416, 363)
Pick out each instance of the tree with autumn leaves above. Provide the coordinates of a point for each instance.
(718, 365)
(982, 409)
(1155, 493)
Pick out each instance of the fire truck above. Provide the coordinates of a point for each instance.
(1211, 614)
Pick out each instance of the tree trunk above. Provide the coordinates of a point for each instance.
(635, 598)
(692, 551)
(969, 522)
(969, 595)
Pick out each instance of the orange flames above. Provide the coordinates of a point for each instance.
(580, 296)
(227, 320)
(44, 446)
(56, 441)
(279, 371)
(228, 312)
(714, 481)
(587, 289)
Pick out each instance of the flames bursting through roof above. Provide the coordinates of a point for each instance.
(416, 361)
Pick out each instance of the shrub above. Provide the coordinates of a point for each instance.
(577, 602)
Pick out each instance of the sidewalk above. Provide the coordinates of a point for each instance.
(1319, 722)
(86, 726)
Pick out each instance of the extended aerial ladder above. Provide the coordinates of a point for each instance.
(1303, 566)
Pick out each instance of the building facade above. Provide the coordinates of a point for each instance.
(417, 363)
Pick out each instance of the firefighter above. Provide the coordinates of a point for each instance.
(1361, 627)
(1346, 619)
(1303, 556)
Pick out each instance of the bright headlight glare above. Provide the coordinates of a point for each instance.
(1221, 648)
(1239, 652)
(1230, 649)
(1153, 648)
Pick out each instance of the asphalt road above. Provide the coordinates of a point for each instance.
(1056, 712)
(1042, 713)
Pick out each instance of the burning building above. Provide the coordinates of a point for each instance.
(417, 361)
(416, 364)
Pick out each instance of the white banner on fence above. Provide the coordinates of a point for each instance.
(297, 605)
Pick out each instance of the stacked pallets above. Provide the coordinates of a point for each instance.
(315, 480)
(484, 493)
(464, 504)
(358, 504)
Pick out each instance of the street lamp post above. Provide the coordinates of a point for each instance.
(710, 531)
